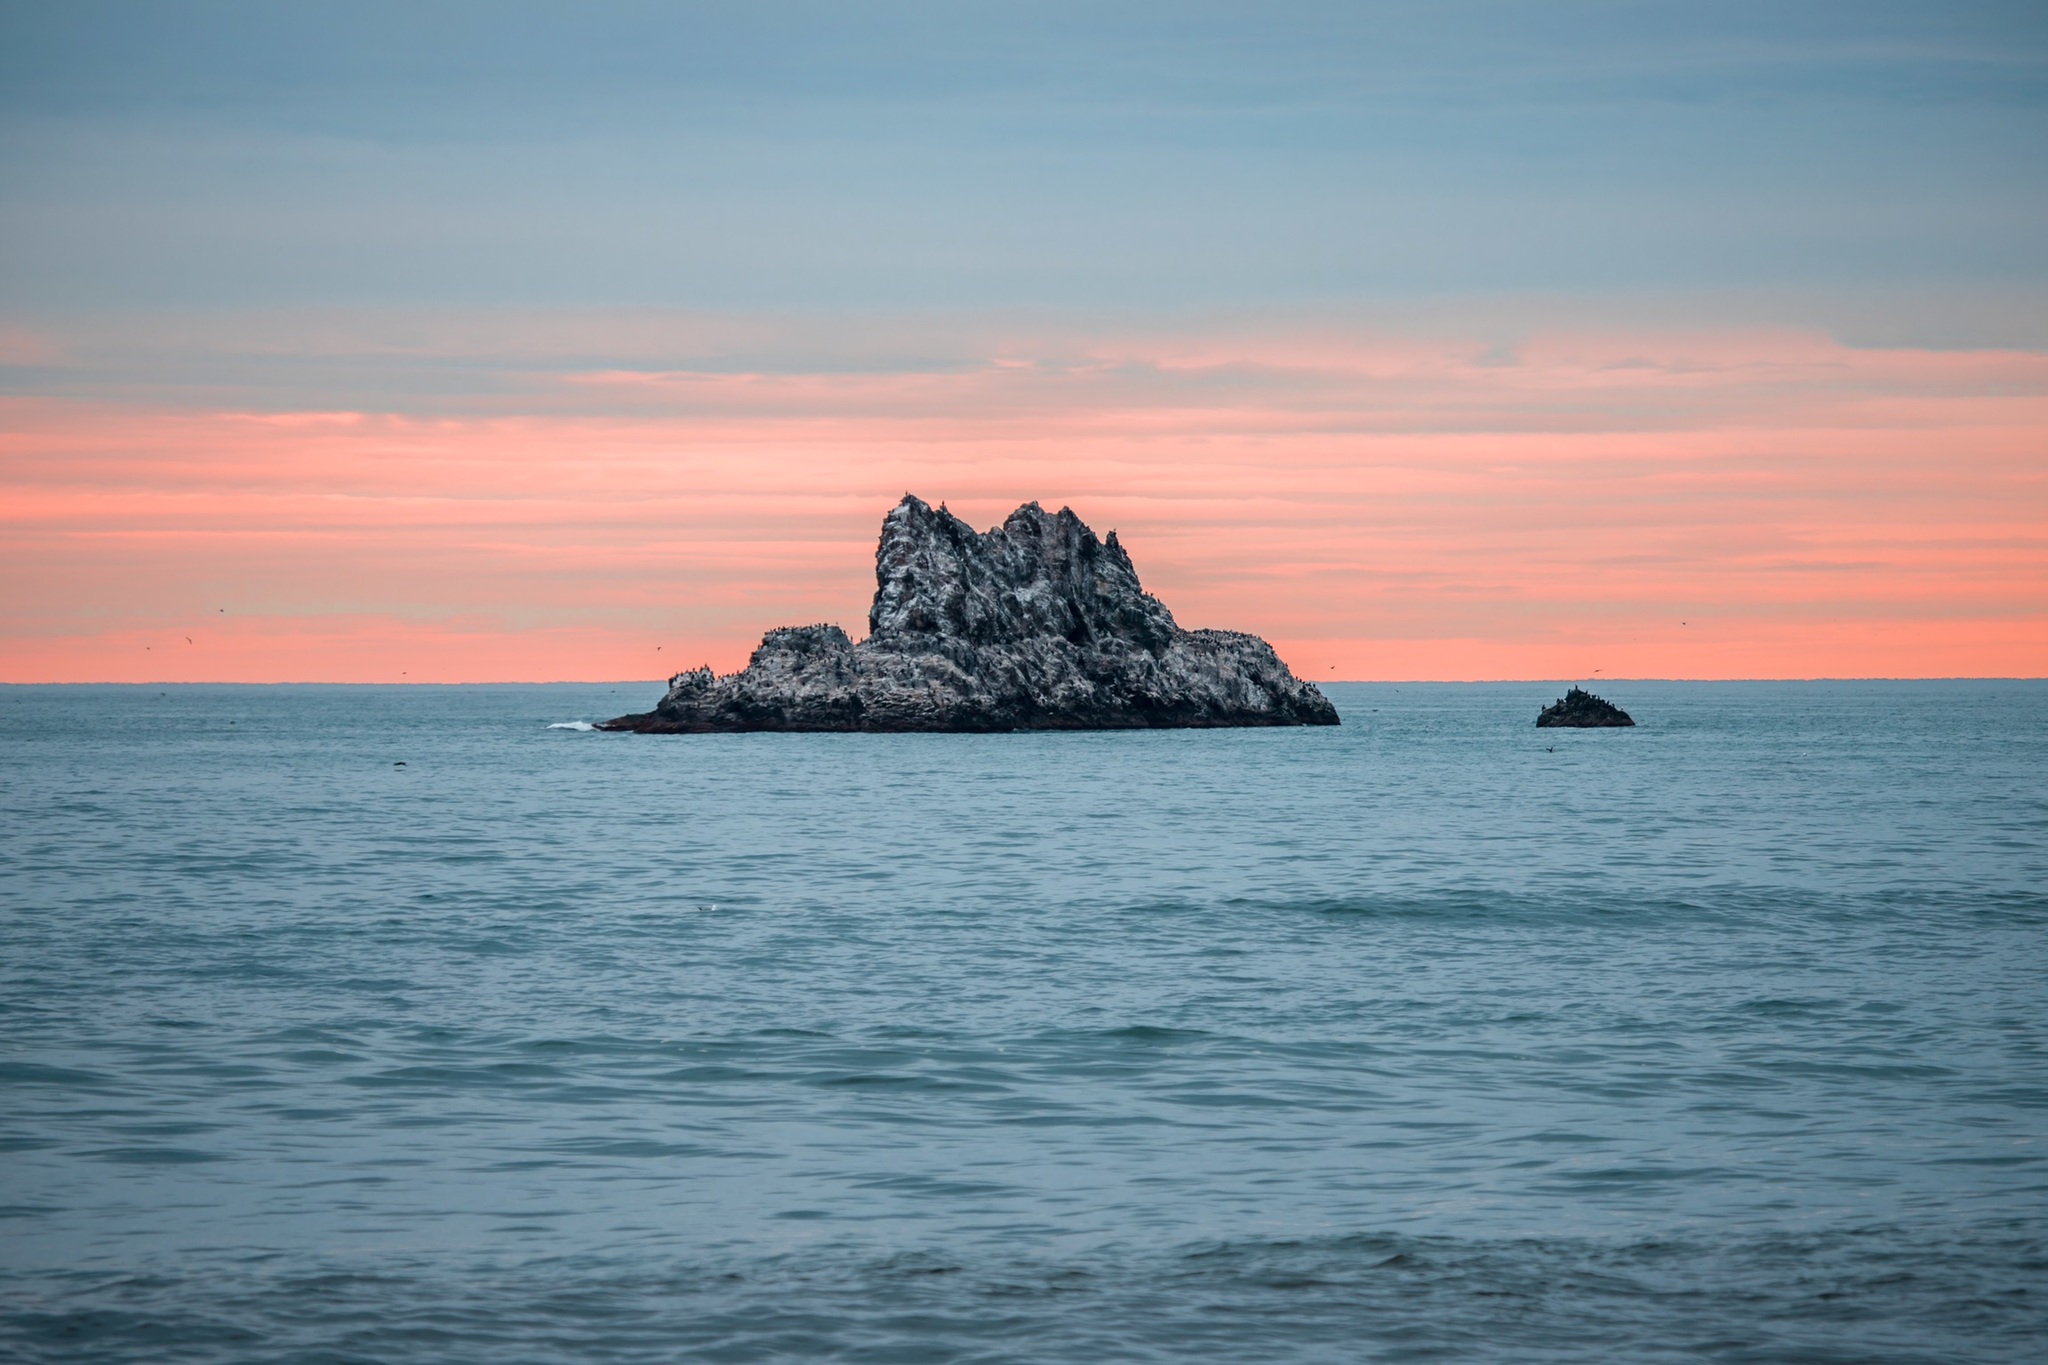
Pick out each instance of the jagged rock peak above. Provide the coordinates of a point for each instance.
(1033, 624)
(1579, 709)
(1036, 574)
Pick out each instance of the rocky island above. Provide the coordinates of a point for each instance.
(1579, 709)
(1033, 625)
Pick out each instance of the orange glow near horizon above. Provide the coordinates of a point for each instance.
(1706, 506)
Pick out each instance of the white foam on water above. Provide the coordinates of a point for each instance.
(572, 725)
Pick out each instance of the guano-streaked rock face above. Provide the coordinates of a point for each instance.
(1034, 625)
(1579, 709)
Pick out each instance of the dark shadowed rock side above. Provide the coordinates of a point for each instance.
(1580, 710)
(1035, 625)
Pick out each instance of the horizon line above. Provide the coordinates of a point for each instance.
(1319, 682)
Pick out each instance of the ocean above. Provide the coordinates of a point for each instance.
(406, 1024)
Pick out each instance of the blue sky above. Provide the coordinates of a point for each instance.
(985, 156)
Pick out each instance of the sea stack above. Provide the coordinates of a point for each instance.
(1033, 625)
(1579, 709)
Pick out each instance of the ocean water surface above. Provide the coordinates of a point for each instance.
(416, 1025)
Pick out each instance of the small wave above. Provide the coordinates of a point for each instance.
(572, 725)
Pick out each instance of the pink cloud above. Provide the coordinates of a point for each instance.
(1380, 506)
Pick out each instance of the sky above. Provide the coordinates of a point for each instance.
(503, 341)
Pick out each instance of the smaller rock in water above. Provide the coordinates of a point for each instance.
(1581, 710)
